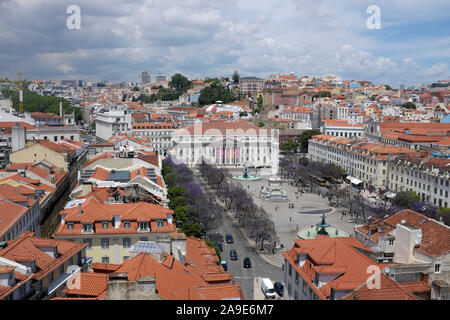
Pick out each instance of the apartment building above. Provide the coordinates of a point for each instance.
(110, 122)
(302, 116)
(341, 269)
(110, 228)
(158, 127)
(38, 268)
(425, 174)
(340, 128)
(417, 245)
(153, 272)
(15, 215)
(362, 160)
(250, 86)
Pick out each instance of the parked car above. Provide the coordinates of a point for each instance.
(233, 254)
(279, 288)
(219, 244)
(224, 265)
(267, 288)
(247, 263)
(229, 238)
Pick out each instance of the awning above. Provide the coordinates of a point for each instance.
(354, 180)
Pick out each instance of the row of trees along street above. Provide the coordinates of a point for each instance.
(194, 213)
(309, 174)
(253, 219)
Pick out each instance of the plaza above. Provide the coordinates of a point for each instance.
(307, 211)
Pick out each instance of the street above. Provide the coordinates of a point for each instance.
(248, 278)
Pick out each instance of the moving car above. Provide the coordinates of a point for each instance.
(267, 288)
(247, 263)
(233, 254)
(279, 288)
(229, 238)
(224, 265)
(219, 244)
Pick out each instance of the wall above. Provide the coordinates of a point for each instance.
(36, 153)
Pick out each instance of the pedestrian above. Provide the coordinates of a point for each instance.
(290, 219)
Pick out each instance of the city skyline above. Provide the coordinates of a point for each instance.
(199, 38)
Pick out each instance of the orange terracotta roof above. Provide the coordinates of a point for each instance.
(104, 155)
(330, 255)
(27, 247)
(435, 236)
(55, 147)
(389, 290)
(93, 211)
(90, 285)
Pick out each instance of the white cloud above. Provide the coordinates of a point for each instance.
(120, 38)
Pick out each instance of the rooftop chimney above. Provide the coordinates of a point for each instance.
(79, 209)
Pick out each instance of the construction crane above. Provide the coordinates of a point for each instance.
(20, 94)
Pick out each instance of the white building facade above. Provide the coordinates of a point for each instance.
(233, 144)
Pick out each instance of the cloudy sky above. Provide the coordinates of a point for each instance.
(199, 38)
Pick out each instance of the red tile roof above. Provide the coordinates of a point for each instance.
(55, 147)
(214, 128)
(389, 290)
(93, 211)
(435, 236)
(26, 248)
(88, 285)
(10, 213)
(328, 255)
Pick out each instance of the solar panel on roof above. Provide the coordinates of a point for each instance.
(119, 176)
(147, 247)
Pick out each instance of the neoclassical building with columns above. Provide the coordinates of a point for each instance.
(233, 144)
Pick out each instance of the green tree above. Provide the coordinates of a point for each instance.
(191, 229)
(235, 77)
(135, 88)
(33, 102)
(261, 124)
(444, 213)
(322, 94)
(180, 83)
(260, 102)
(180, 214)
(177, 202)
(215, 92)
(306, 136)
(212, 80)
(406, 199)
(170, 179)
(290, 146)
(409, 105)
(388, 87)
(213, 245)
(165, 170)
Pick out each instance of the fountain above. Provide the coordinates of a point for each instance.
(273, 191)
(246, 176)
(321, 228)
